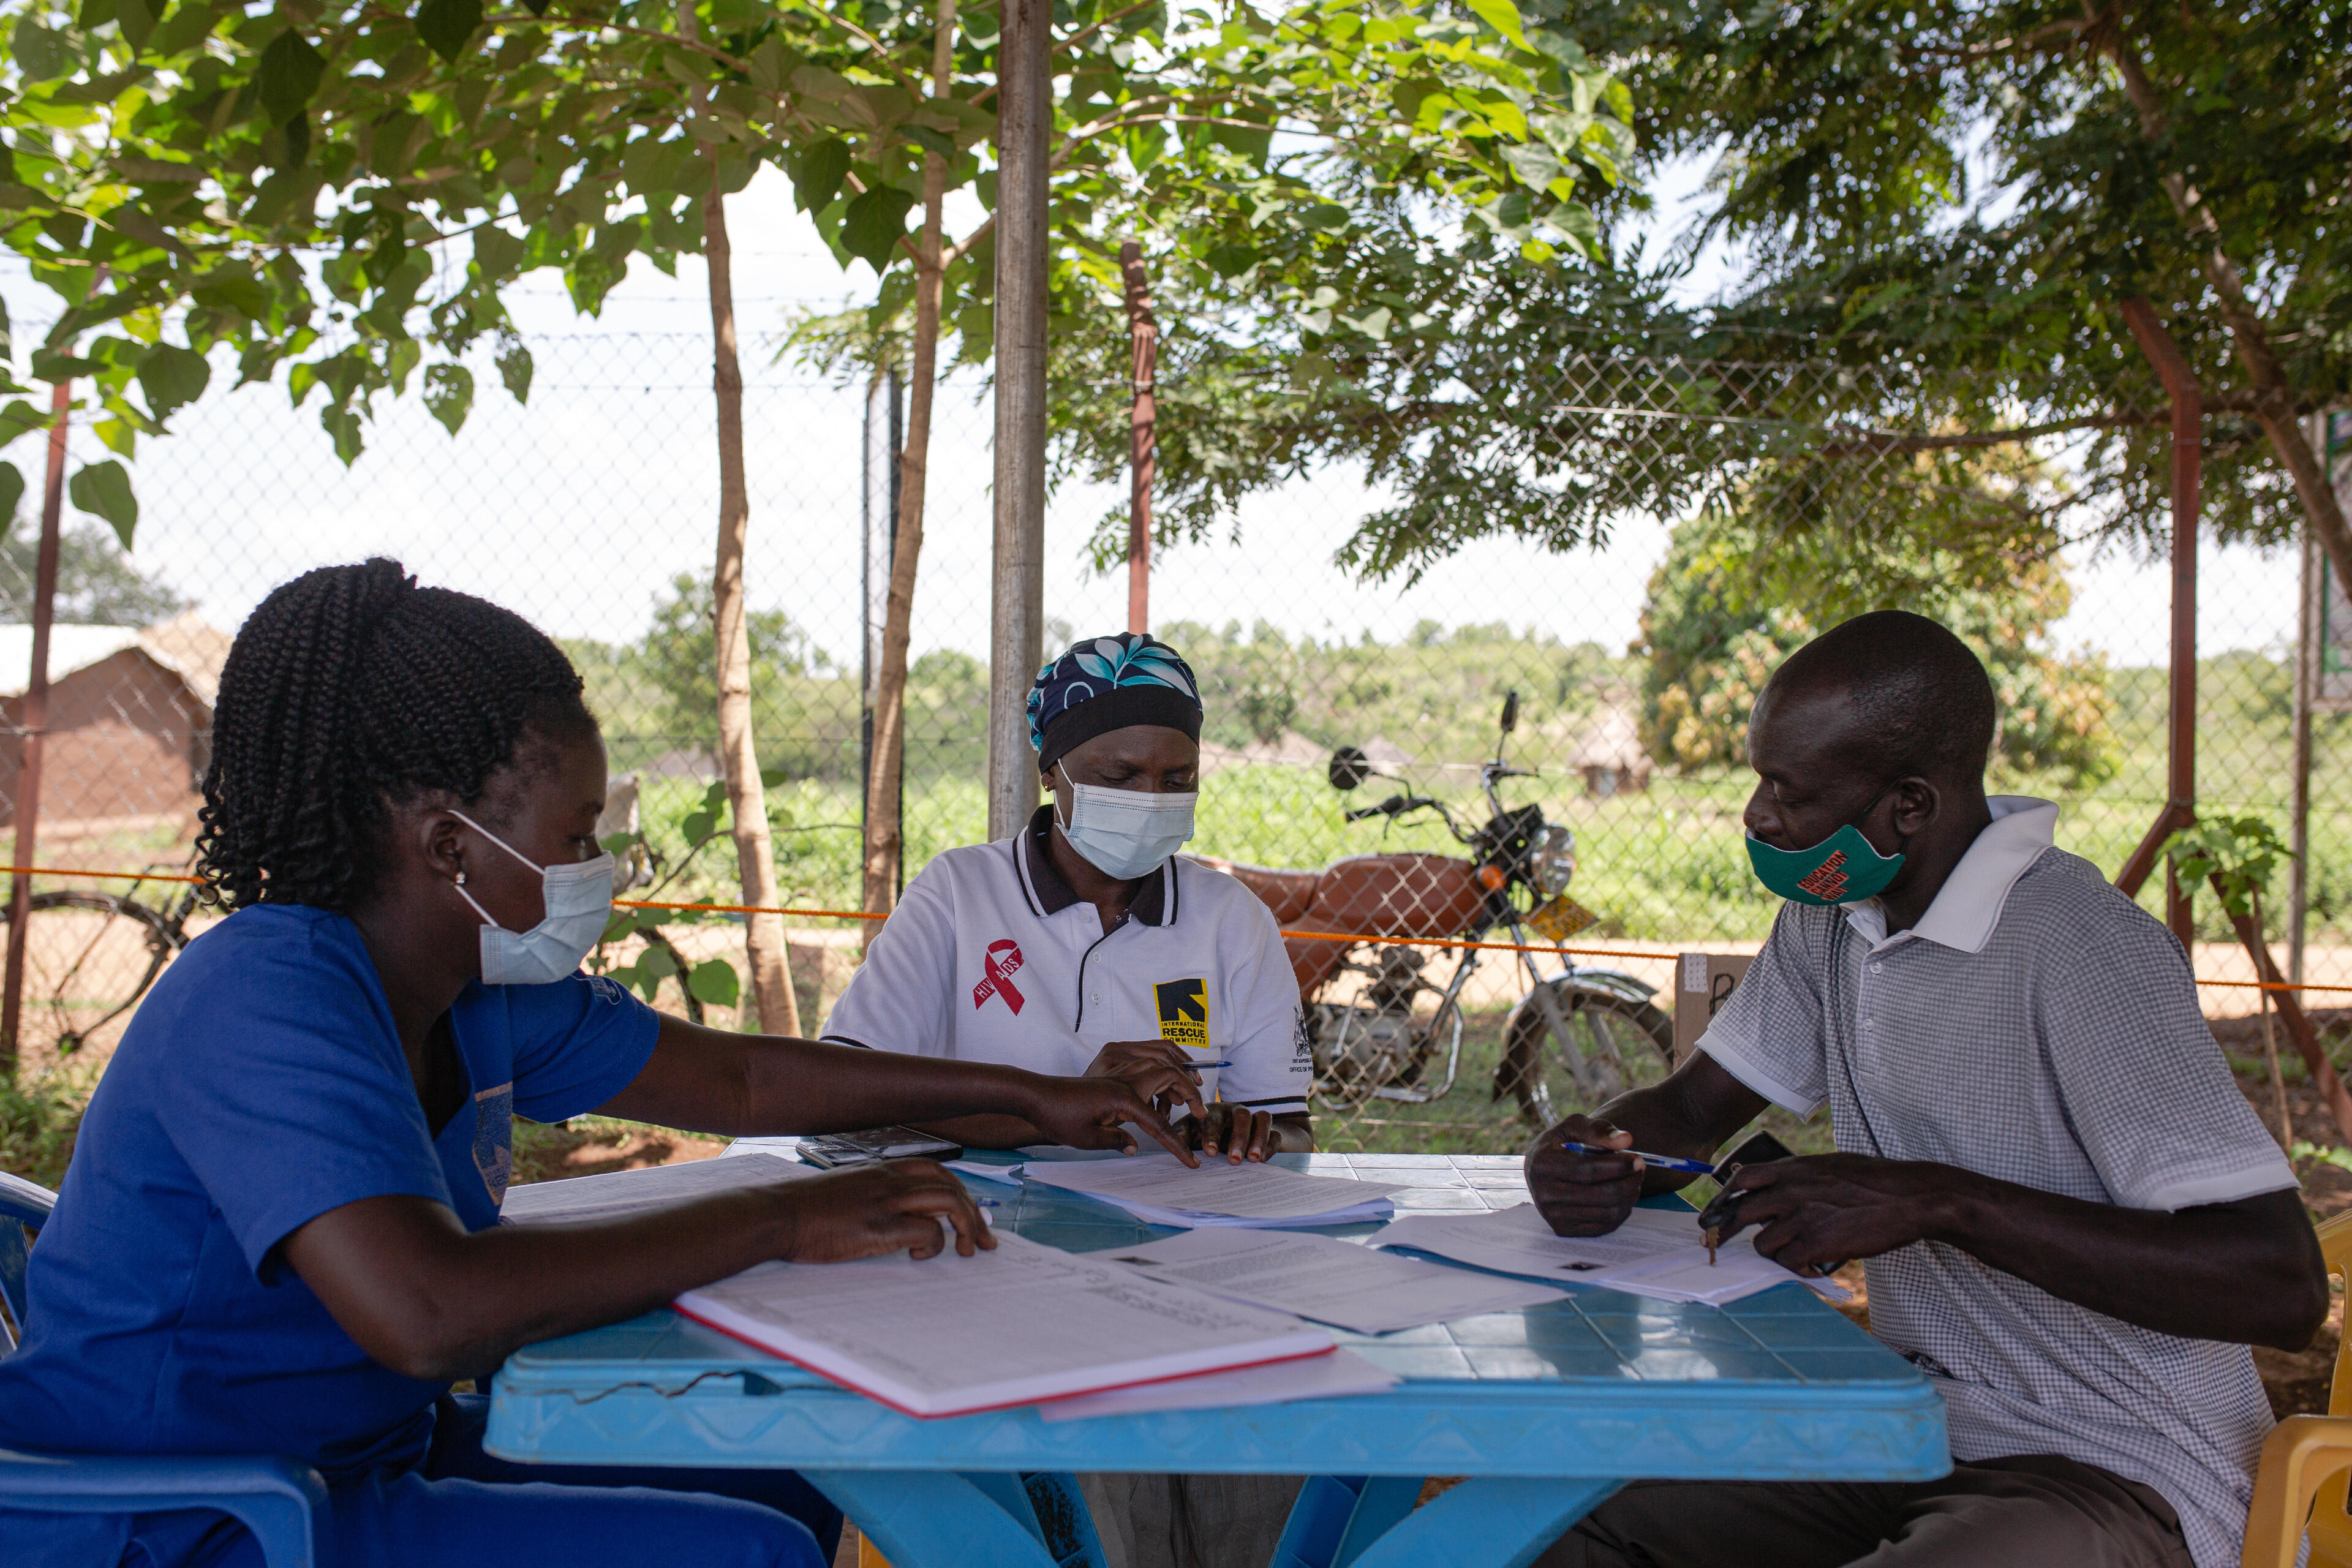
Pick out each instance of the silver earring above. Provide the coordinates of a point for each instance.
(461, 878)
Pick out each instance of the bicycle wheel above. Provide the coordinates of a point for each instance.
(88, 957)
(1622, 1044)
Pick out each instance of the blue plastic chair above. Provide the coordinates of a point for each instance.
(281, 1502)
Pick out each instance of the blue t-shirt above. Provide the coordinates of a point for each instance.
(261, 1084)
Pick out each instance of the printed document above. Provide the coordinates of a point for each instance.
(1655, 1253)
(619, 1192)
(1016, 1326)
(1161, 1189)
(1330, 1280)
(1333, 1376)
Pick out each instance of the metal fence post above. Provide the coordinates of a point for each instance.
(35, 717)
(1016, 618)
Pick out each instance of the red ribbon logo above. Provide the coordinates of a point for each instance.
(1828, 881)
(997, 974)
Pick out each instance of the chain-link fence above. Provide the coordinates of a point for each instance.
(591, 510)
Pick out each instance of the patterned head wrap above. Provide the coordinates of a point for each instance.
(1109, 683)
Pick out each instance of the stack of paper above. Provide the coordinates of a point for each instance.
(1330, 1280)
(1654, 1253)
(619, 1192)
(1334, 1376)
(1159, 1189)
(1017, 1325)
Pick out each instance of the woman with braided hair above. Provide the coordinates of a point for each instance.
(280, 1232)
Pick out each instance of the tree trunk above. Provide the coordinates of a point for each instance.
(1017, 635)
(885, 837)
(771, 985)
(2274, 400)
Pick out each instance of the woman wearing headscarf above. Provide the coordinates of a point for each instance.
(1084, 943)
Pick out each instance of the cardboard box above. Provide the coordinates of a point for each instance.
(1703, 984)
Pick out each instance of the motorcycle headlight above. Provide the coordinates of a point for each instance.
(1551, 860)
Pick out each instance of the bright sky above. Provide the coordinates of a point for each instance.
(578, 510)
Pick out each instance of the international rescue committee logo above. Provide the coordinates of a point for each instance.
(1183, 1013)
(1828, 879)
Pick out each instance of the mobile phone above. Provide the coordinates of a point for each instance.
(835, 1150)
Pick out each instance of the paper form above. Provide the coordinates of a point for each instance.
(1654, 1253)
(1218, 1190)
(1333, 1376)
(1330, 1280)
(618, 1192)
(1014, 1326)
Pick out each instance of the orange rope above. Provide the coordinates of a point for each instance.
(116, 876)
(1299, 935)
(753, 910)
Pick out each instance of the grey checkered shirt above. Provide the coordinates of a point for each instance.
(2038, 1027)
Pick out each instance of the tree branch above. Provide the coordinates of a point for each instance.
(2072, 33)
(2275, 404)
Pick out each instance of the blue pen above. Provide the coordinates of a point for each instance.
(1198, 1066)
(1663, 1162)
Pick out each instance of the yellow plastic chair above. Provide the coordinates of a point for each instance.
(2306, 1468)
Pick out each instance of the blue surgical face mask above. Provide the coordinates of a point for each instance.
(579, 902)
(1126, 833)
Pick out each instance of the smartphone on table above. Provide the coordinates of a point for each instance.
(835, 1150)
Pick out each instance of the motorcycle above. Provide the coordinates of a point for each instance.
(1574, 1039)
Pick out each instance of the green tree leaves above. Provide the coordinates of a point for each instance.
(817, 173)
(448, 25)
(41, 54)
(874, 221)
(289, 74)
(2240, 853)
(172, 377)
(103, 489)
(1736, 595)
(448, 393)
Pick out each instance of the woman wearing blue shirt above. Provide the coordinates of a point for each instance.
(280, 1230)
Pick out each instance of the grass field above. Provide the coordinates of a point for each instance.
(1665, 866)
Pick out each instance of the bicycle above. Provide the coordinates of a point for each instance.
(89, 957)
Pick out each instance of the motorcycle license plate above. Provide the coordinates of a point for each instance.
(1559, 918)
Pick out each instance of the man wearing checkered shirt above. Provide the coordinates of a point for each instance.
(2074, 1224)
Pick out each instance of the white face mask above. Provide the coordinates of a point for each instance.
(1126, 833)
(579, 902)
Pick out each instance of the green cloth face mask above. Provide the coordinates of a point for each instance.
(1841, 869)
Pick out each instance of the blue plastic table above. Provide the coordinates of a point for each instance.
(1547, 1410)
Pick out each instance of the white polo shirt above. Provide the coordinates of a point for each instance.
(991, 957)
(2036, 1027)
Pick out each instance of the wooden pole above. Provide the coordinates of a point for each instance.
(36, 718)
(1142, 438)
(2187, 460)
(1025, 116)
(2297, 1022)
(2306, 683)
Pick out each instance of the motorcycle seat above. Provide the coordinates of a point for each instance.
(1289, 894)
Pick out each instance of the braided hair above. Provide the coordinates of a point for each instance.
(351, 689)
